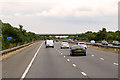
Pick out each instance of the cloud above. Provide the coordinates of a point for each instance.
(61, 8)
(61, 15)
(17, 14)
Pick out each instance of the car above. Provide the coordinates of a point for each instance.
(75, 41)
(70, 40)
(104, 43)
(82, 44)
(77, 50)
(92, 42)
(64, 45)
(115, 43)
(49, 43)
(65, 40)
(57, 40)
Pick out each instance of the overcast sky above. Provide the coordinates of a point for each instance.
(61, 16)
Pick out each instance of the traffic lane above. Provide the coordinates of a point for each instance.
(50, 64)
(93, 66)
(14, 66)
(108, 56)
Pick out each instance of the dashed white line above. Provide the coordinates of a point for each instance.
(68, 60)
(31, 62)
(64, 56)
(61, 53)
(116, 64)
(92, 55)
(101, 58)
(83, 73)
(74, 65)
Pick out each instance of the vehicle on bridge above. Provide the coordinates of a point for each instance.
(77, 50)
(64, 45)
(49, 43)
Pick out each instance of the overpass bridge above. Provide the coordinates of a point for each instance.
(58, 34)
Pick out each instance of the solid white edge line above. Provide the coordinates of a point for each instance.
(74, 65)
(30, 64)
(84, 73)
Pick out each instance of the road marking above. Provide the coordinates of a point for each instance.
(74, 65)
(61, 53)
(64, 56)
(84, 73)
(116, 64)
(31, 62)
(68, 60)
(92, 55)
(101, 58)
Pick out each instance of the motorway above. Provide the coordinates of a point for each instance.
(38, 61)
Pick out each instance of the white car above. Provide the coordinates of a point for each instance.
(64, 45)
(49, 43)
(92, 42)
(83, 44)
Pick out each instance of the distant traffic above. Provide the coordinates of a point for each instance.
(80, 47)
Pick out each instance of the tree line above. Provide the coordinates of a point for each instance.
(98, 36)
(19, 36)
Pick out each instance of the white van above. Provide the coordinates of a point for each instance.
(49, 43)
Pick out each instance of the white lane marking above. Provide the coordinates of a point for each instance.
(101, 58)
(64, 56)
(68, 60)
(61, 53)
(116, 64)
(92, 55)
(74, 65)
(31, 62)
(84, 74)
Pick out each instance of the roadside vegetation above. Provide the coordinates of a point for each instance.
(19, 36)
(98, 36)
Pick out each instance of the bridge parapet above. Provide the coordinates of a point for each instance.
(58, 34)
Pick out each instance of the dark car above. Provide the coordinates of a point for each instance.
(104, 43)
(115, 43)
(65, 40)
(77, 50)
(57, 40)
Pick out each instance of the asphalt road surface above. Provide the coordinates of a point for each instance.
(38, 61)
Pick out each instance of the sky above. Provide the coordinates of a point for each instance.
(61, 16)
